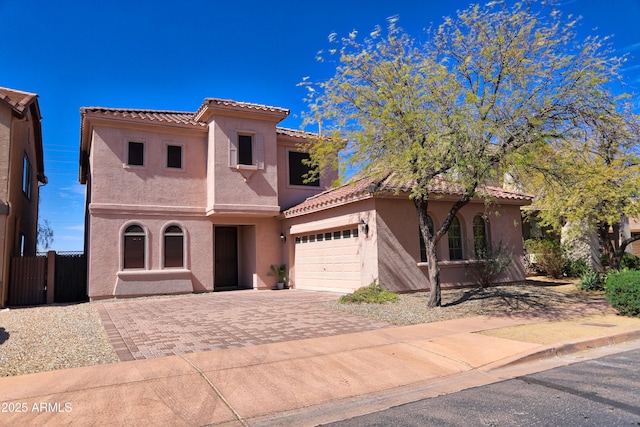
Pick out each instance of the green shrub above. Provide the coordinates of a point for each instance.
(548, 256)
(623, 292)
(591, 281)
(490, 264)
(370, 294)
(575, 267)
(629, 262)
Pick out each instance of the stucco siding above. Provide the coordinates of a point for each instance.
(341, 265)
(400, 268)
(398, 246)
(116, 182)
(290, 195)
(242, 189)
(107, 278)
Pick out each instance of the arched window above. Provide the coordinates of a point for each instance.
(480, 237)
(134, 245)
(455, 240)
(173, 247)
(423, 246)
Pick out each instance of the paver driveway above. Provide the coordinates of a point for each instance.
(145, 328)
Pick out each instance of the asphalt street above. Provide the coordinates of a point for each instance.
(598, 392)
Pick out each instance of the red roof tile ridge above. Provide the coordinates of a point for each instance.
(241, 104)
(354, 190)
(17, 99)
(296, 132)
(135, 110)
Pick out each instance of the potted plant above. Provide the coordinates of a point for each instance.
(280, 273)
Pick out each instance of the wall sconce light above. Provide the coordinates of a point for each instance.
(364, 227)
(283, 238)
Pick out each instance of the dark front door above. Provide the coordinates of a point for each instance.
(226, 257)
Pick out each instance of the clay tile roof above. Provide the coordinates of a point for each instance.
(357, 189)
(246, 105)
(229, 104)
(162, 116)
(364, 188)
(295, 133)
(18, 100)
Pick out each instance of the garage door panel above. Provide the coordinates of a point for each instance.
(328, 264)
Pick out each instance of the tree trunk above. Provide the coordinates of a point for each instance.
(430, 241)
(435, 294)
(617, 256)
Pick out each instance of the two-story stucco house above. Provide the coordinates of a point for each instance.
(208, 200)
(21, 169)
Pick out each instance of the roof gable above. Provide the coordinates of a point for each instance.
(18, 100)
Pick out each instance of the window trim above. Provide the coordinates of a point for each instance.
(300, 186)
(123, 231)
(130, 141)
(461, 240)
(257, 150)
(485, 236)
(182, 147)
(163, 252)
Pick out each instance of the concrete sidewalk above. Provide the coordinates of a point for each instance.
(304, 382)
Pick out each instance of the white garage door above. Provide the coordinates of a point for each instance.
(328, 260)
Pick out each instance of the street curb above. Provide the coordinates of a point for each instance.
(571, 347)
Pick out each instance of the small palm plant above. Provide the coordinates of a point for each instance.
(279, 272)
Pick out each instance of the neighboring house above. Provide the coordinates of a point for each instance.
(203, 201)
(21, 170)
(634, 230)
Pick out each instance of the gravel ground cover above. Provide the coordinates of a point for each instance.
(43, 338)
(412, 308)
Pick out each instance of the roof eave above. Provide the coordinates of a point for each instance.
(213, 106)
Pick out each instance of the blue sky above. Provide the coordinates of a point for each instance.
(159, 54)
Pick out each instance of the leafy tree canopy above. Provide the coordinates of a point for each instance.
(481, 87)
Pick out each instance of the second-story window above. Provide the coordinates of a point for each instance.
(245, 149)
(174, 156)
(27, 172)
(299, 169)
(136, 153)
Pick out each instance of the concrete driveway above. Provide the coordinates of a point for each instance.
(146, 328)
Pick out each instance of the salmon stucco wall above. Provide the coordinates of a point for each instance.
(233, 188)
(399, 244)
(106, 275)
(113, 181)
(334, 273)
(290, 195)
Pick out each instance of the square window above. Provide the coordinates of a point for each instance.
(136, 153)
(298, 239)
(354, 232)
(320, 237)
(327, 236)
(298, 169)
(174, 156)
(304, 239)
(245, 149)
(312, 238)
(346, 234)
(336, 235)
